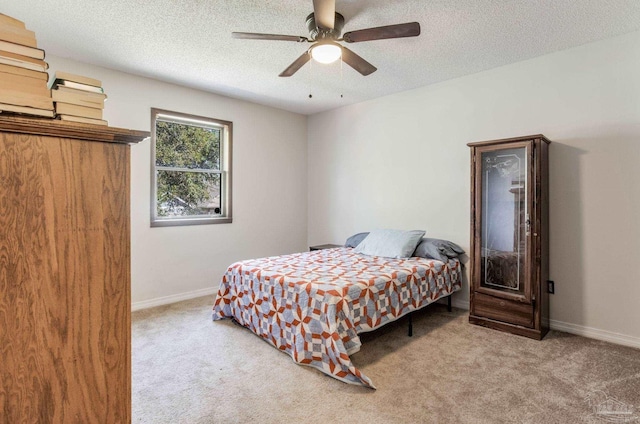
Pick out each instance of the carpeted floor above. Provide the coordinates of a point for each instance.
(189, 369)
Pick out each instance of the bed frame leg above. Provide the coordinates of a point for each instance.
(449, 303)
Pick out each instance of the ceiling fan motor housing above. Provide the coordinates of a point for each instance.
(316, 33)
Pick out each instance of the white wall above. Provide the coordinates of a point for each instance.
(402, 162)
(269, 186)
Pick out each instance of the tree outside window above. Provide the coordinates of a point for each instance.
(191, 169)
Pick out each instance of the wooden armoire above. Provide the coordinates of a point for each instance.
(510, 235)
(65, 331)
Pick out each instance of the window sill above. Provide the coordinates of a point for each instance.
(176, 222)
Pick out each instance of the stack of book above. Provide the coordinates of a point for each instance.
(23, 76)
(78, 98)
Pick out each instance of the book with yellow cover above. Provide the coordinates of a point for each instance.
(32, 52)
(18, 35)
(26, 110)
(77, 110)
(15, 70)
(8, 20)
(21, 61)
(76, 85)
(83, 120)
(18, 98)
(67, 76)
(78, 97)
(24, 84)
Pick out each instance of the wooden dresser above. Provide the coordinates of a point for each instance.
(65, 331)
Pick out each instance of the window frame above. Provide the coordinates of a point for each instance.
(226, 143)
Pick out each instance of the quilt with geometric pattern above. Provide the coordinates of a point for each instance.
(313, 305)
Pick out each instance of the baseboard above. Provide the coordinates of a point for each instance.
(578, 330)
(460, 303)
(594, 333)
(165, 300)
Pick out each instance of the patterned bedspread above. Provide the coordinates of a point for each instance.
(313, 305)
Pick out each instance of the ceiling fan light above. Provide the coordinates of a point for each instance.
(326, 53)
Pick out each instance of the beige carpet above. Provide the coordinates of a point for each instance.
(188, 369)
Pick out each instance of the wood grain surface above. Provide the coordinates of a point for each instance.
(66, 129)
(64, 280)
(525, 313)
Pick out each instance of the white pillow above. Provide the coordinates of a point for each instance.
(390, 243)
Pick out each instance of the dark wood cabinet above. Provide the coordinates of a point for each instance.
(65, 298)
(509, 235)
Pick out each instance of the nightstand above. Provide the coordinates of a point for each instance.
(323, 246)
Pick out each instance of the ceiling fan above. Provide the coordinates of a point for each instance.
(325, 26)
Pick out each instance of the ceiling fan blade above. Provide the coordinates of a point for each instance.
(410, 29)
(356, 62)
(325, 13)
(256, 36)
(297, 64)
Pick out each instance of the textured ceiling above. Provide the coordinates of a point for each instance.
(189, 42)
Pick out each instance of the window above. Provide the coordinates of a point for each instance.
(190, 169)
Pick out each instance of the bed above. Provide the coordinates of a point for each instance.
(313, 305)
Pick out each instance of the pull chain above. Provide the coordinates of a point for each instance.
(311, 76)
(341, 79)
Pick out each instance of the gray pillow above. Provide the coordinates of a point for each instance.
(355, 239)
(441, 250)
(390, 243)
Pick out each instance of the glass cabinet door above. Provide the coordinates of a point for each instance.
(505, 178)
